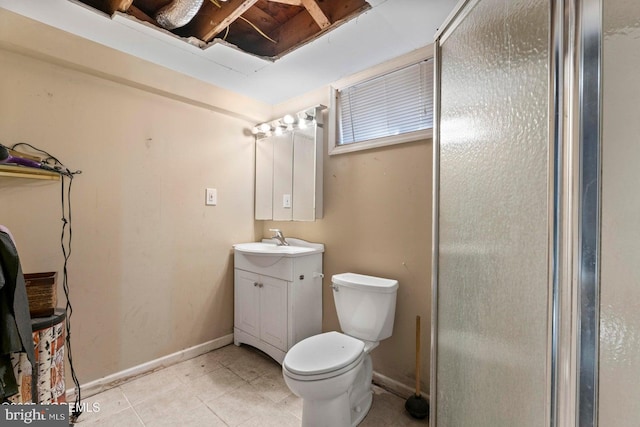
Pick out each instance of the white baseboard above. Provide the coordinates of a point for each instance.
(114, 380)
(395, 387)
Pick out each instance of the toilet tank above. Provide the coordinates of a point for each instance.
(366, 305)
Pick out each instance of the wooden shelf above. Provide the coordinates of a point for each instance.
(29, 173)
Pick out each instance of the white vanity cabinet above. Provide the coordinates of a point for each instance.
(277, 297)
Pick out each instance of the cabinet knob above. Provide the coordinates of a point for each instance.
(255, 283)
(260, 285)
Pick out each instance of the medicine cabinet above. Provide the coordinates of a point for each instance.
(289, 168)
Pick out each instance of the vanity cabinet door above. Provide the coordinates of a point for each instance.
(247, 302)
(273, 312)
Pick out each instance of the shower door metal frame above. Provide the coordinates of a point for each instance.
(589, 80)
(574, 195)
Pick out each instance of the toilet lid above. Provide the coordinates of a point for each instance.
(323, 353)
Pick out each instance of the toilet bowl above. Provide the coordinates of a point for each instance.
(332, 371)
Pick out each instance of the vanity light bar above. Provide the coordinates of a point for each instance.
(289, 122)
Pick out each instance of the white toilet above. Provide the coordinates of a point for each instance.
(332, 371)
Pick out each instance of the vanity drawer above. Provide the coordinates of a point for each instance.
(278, 267)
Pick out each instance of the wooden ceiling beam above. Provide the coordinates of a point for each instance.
(289, 2)
(316, 13)
(123, 5)
(211, 20)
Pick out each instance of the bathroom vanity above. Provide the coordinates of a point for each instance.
(277, 294)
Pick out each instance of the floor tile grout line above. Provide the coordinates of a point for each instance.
(132, 407)
(211, 410)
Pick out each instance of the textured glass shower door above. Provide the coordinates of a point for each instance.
(492, 275)
(619, 401)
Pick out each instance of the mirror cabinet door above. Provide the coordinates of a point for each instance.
(304, 176)
(264, 178)
(282, 176)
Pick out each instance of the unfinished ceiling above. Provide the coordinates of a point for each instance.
(266, 28)
(388, 29)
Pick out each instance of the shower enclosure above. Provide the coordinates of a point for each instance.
(536, 265)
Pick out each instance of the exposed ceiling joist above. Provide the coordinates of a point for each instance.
(289, 2)
(212, 20)
(122, 5)
(316, 13)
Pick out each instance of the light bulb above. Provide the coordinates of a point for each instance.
(288, 119)
(265, 127)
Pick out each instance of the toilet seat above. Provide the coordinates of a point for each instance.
(323, 356)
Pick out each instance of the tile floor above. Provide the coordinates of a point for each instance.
(231, 386)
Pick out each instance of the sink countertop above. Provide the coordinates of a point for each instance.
(269, 247)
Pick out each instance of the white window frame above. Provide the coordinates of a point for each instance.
(411, 58)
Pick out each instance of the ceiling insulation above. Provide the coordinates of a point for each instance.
(266, 28)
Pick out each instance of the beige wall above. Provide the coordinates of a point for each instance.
(151, 269)
(151, 266)
(377, 221)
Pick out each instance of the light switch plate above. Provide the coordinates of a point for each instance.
(286, 201)
(211, 198)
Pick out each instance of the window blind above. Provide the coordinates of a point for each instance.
(392, 104)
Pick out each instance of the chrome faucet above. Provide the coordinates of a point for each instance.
(279, 237)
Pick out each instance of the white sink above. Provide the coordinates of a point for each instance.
(268, 247)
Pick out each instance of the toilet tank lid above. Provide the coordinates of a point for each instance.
(370, 283)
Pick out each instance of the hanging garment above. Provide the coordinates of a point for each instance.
(15, 320)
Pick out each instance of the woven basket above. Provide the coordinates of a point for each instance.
(42, 293)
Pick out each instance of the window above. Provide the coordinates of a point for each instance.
(389, 108)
